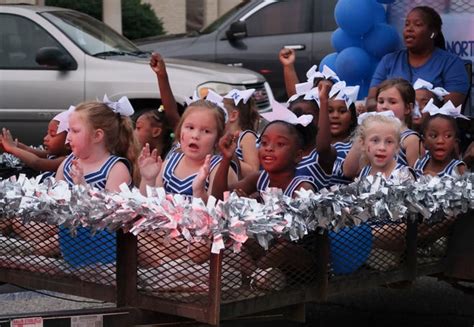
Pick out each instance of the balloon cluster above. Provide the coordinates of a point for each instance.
(362, 39)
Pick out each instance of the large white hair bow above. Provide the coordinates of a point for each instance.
(365, 115)
(308, 92)
(438, 91)
(122, 106)
(63, 119)
(327, 73)
(218, 101)
(343, 92)
(448, 109)
(238, 95)
(280, 112)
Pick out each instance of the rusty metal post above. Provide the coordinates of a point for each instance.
(411, 241)
(215, 274)
(126, 269)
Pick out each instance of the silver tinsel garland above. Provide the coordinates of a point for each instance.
(234, 220)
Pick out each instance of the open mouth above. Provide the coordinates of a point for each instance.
(193, 146)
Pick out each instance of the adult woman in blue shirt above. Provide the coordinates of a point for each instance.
(424, 57)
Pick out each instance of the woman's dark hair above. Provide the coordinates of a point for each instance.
(433, 19)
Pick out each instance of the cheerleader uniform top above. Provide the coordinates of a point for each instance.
(98, 178)
(238, 151)
(342, 149)
(173, 184)
(402, 156)
(400, 172)
(264, 181)
(310, 167)
(451, 168)
(46, 174)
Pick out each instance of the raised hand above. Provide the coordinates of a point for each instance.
(199, 182)
(228, 144)
(157, 63)
(287, 56)
(7, 140)
(149, 163)
(77, 173)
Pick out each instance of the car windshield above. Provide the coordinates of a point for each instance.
(215, 24)
(91, 35)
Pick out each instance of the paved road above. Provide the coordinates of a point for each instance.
(426, 303)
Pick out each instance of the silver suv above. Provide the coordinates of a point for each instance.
(51, 58)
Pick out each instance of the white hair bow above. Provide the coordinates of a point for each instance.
(343, 92)
(192, 99)
(280, 112)
(122, 106)
(365, 115)
(327, 73)
(218, 101)
(438, 91)
(238, 95)
(308, 92)
(448, 109)
(63, 119)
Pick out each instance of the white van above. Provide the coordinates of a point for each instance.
(51, 58)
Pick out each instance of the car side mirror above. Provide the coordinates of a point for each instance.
(237, 30)
(53, 57)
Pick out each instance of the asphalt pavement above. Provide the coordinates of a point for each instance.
(426, 303)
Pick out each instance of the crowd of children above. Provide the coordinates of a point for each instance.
(314, 141)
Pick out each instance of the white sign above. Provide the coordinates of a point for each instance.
(87, 321)
(27, 322)
(458, 30)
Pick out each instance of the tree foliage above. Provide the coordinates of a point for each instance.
(138, 19)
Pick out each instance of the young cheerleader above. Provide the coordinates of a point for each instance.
(425, 91)
(190, 171)
(153, 128)
(399, 96)
(104, 152)
(379, 136)
(440, 134)
(342, 122)
(243, 118)
(54, 142)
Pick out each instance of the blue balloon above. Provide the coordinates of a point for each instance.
(329, 60)
(341, 40)
(353, 64)
(380, 15)
(349, 248)
(381, 39)
(364, 89)
(355, 17)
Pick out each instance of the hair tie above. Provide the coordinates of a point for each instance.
(215, 98)
(280, 112)
(326, 73)
(123, 107)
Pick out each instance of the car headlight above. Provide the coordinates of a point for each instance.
(219, 88)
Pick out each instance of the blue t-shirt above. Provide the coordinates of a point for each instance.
(443, 69)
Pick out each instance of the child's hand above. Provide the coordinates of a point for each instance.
(324, 89)
(149, 163)
(157, 64)
(199, 182)
(287, 56)
(8, 143)
(228, 144)
(77, 173)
